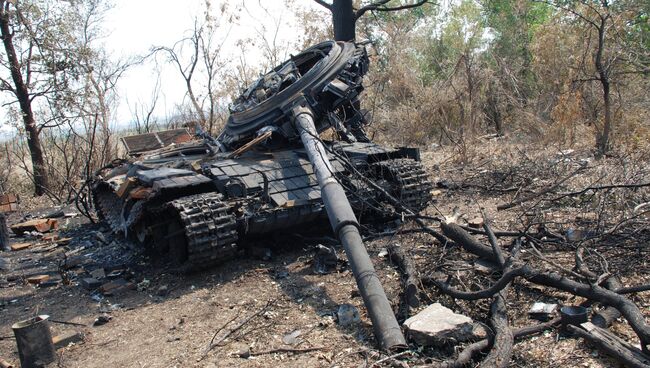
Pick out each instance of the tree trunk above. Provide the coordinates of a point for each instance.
(603, 138)
(344, 20)
(4, 233)
(22, 95)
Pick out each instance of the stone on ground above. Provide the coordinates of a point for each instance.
(436, 325)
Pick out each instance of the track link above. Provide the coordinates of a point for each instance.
(409, 181)
(210, 230)
(109, 208)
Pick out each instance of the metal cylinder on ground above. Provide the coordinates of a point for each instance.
(346, 228)
(34, 341)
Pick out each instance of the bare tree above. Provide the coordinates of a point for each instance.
(200, 54)
(143, 113)
(20, 68)
(611, 57)
(345, 15)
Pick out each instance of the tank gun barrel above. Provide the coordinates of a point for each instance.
(345, 226)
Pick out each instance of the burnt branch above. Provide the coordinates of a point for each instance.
(409, 270)
(379, 6)
(468, 242)
(541, 193)
(324, 4)
(608, 342)
(501, 352)
(466, 356)
(593, 292)
(498, 286)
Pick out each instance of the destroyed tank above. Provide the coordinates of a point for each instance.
(195, 197)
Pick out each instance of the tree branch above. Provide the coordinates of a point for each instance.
(324, 4)
(377, 6)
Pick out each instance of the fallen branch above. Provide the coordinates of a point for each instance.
(633, 289)
(497, 287)
(472, 230)
(214, 344)
(539, 194)
(391, 357)
(286, 350)
(614, 346)
(468, 242)
(607, 316)
(601, 187)
(628, 309)
(465, 357)
(408, 268)
(493, 240)
(501, 352)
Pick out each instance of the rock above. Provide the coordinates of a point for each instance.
(143, 285)
(163, 290)
(102, 320)
(437, 325)
(347, 314)
(35, 280)
(292, 338)
(476, 223)
(542, 311)
(244, 353)
(173, 338)
(325, 259)
(101, 237)
(20, 246)
(4, 264)
(242, 350)
(65, 339)
(90, 283)
(98, 273)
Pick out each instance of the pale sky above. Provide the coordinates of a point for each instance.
(134, 26)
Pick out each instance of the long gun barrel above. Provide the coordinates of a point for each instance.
(345, 226)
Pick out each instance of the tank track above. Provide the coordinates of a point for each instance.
(409, 182)
(109, 208)
(210, 230)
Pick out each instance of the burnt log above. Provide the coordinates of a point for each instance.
(466, 356)
(628, 309)
(467, 241)
(4, 233)
(610, 343)
(607, 316)
(501, 352)
(409, 270)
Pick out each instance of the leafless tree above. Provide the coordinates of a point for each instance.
(345, 15)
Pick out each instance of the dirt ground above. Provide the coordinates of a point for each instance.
(265, 311)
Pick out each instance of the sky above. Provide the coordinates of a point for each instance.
(134, 26)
